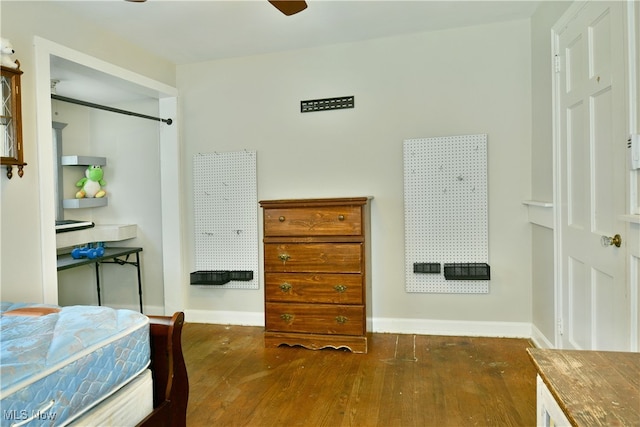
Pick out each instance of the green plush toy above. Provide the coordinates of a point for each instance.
(91, 185)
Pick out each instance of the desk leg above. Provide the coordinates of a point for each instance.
(98, 282)
(139, 279)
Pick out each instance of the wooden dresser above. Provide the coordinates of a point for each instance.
(317, 280)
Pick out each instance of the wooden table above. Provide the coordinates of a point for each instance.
(592, 388)
(111, 256)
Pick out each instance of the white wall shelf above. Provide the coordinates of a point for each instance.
(540, 212)
(85, 203)
(632, 219)
(83, 161)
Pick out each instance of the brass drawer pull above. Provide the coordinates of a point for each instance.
(284, 257)
(285, 287)
(340, 288)
(286, 317)
(281, 219)
(341, 320)
(340, 217)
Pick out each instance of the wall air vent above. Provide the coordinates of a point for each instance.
(327, 104)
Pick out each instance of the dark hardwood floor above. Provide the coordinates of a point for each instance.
(404, 380)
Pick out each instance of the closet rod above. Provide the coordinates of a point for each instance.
(104, 107)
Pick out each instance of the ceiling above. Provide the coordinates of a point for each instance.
(193, 31)
(186, 32)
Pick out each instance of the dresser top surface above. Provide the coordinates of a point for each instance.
(593, 388)
(316, 202)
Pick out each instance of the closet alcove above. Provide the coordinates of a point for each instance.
(140, 155)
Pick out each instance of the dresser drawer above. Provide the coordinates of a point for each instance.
(315, 318)
(316, 288)
(313, 257)
(313, 221)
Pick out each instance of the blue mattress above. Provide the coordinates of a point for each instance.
(56, 366)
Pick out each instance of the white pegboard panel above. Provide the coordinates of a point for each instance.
(445, 208)
(226, 214)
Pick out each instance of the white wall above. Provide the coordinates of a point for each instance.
(454, 82)
(543, 293)
(21, 259)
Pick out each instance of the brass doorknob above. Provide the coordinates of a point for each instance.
(612, 241)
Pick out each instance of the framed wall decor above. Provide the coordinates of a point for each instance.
(11, 147)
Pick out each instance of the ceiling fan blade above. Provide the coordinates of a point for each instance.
(289, 7)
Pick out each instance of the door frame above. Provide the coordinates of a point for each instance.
(631, 217)
(172, 242)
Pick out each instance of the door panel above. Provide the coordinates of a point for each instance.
(600, 46)
(590, 103)
(579, 327)
(574, 58)
(607, 317)
(578, 172)
(603, 208)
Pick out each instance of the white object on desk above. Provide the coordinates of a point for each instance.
(99, 233)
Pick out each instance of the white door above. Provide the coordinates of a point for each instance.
(590, 128)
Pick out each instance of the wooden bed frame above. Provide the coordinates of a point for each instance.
(170, 381)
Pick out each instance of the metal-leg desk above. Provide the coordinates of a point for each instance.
(111, 256)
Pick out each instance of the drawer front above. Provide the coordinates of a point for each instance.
(315, 318)
(313, 257)
(313, 221)
(316, 288)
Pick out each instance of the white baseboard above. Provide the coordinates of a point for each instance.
(383, 325)
(539, 339)
(153, 310)
(452, 327)
(241, 318)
